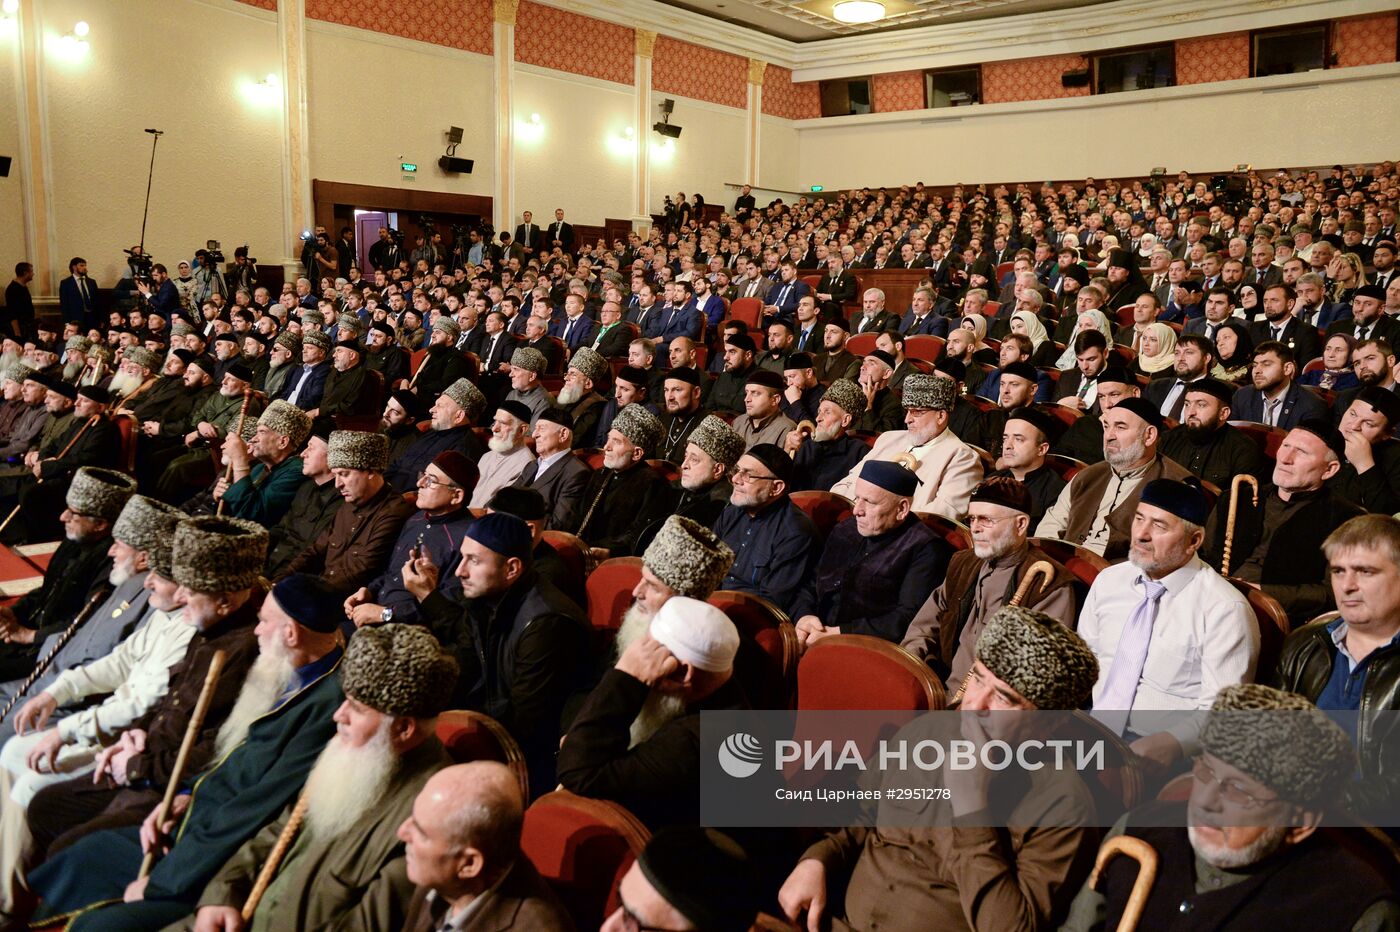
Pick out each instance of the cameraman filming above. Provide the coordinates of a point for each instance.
(244, 273)
(209, 281)
(160, 294)
(327, 257)
(308, 250)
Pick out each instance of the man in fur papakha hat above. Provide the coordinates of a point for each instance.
(265, 747)
(454, 413)
(348, 866)
(612, 513)
(357, 545)
(703, 490)
(903, 878)
(443, 365)
(267, 469)
(1245, 849)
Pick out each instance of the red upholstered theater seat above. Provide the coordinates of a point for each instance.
(748, 310)
(470, 736)
(860, 672)
(1267, 439)
(609, 588)
(766, 665)
(863, 344)
(126, 430)
(1083, 565)
(923, 346)
(826, 509)
(1066, 467)
(958, 536)
(592, 457)
(574, 553)
(1121, 784)
(1272, 620)
(583, 847)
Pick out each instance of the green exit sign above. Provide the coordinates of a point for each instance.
(409, 166)
(818, 187)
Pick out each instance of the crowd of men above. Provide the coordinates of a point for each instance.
(343, 492)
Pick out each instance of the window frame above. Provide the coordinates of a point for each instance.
(869, 87)
(931, 73)
(1328, 28)
(1095, 57)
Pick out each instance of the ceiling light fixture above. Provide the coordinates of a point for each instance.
(858, 11)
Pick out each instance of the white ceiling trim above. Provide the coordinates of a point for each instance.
(1104, 26)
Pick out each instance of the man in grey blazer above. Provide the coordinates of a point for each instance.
(558, 475)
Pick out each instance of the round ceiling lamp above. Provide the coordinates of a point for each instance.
(858, 11)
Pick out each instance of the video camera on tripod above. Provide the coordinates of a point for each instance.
(140, 264)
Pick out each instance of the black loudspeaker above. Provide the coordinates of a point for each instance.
(1074, 78)
(454, 135)
(668, 106)
(667, 129)
(450, 163)
(4, 166)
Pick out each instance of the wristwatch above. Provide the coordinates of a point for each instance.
(386, 616)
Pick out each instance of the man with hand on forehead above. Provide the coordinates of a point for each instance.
(878, 566)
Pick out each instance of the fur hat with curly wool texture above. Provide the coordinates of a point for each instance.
(589, 363)
(639, 426)
(149, 525)
(847, 396)
(357, 449)
(468, 397)
(398, 669)
(1040, 658)
(216, 555)
(688, 557)
(285, 418)
(99, 493)
(718, 440)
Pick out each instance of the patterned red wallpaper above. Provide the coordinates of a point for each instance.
(555, 38)
(262, 4)
(783, 98)
(456, 24)
(903, 90)
(1031, 79)
(1212, 58)
(699, 73)
(1364, 40)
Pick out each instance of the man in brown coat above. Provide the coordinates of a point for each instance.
(356, 547)
(462, 848)
(973, 875)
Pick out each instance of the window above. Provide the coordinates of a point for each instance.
(1136, 70)
(958, 88)
(845, 97)
(1289, 51)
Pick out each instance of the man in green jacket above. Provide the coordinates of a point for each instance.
(267, 469)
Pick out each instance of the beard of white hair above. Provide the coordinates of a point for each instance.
(124, 383)
(501, 445)
(1223, 858)
(122, 570)
(347, 782)
(71, 370)
(570, 394)
(998, 546)
(270, 675)
(659, 707)
(9, 359)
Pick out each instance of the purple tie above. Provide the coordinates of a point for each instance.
(1131, 655)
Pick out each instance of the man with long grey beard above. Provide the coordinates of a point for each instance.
(502, 464)
(1245, 851)
(348, 869)
(587, 370)
(262, 755)
(684, 559)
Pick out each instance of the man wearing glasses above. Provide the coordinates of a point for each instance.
(1244, 850)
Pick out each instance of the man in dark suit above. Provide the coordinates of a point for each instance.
(782, 299)
(612, 337)
(1263, 272)
(1219, 305)
(496, 348)
(744, 203)
(528, 233)
(1275, 398)
(1368, 320)
(555, 473)
(77, 294)
(836, 288)
(561, 234)
(537, 337)
(576, 329)
(305, 388)
(921, 318)
(1195, 355)
(1281, 326)
(873, 317)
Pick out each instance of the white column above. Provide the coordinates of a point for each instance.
(754, 125)
(34, 164)
(298, 213)
(641, 136)
(503, 46)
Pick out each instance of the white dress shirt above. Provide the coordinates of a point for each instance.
(1204, 639)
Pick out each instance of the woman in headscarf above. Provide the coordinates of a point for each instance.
(1156, 352)
(1125, 282)
(1043, 351)
(1336, 374)
(1088, 320)
(1234, 348)
(1251, 302)
(982, 352)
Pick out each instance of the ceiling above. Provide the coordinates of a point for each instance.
(807, 20)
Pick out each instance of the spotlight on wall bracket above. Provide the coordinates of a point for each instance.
(665, 128)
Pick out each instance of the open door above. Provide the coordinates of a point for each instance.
(367, 224)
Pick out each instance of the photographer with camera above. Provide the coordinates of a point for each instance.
(209, 280)
(159, 292)
(244, 274)
(308, 249)
(325, 257)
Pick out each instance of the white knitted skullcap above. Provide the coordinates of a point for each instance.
(697, 633)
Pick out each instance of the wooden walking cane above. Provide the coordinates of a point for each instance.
(14, 512)
(201, 708)
(1038, 569)
(48, 658)
(1230, 516)
(1139, 851)
(275, 856)
(228, 470)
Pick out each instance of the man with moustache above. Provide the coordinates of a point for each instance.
(1204, 442)
(138, 385)
(305, 386)
(383, 355)
(399, 421)
(313, 508)
(347, 868)
(829, 453)
(703, 489)
(683, 411)
(579, 396)
(28, 425)
(266, 471)
(502, 464)
(611, 512)
(686, 656)
(285, 348)
(1246, 844)
(350, 389)
(452, 415)
(191, 468)
(556, 474)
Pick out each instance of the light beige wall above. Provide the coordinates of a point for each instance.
(778, 153)
(1294, 120)
(375, 101)
(578, 156)
(221, 146)
(12, 246)
(709, 153)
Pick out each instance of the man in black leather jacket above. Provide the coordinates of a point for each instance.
(1363, 558)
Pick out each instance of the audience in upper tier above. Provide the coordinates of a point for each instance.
(1125, 448)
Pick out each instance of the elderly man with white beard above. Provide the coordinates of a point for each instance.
(579, 396)
(507, 456)
(1244, 851)
(135, 381)
(347, 869)
(285, 348)
(685, 656)
(263, 753)
(75, 358)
